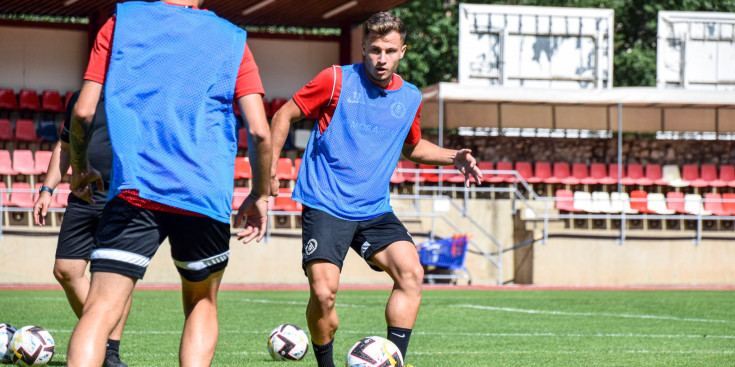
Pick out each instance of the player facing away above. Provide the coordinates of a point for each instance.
(174, 70)
(76, 235)
(367, 116)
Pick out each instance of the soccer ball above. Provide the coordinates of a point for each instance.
(288, 343)
(374, 351)
(6, 333)
(31, 346)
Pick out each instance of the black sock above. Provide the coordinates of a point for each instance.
(113, 345)
(323, 354)
(399, 337)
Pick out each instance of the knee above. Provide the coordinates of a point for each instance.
(411, 276)
(62, 274)
(324, 295)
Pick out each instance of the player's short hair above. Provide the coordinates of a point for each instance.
(383, 23)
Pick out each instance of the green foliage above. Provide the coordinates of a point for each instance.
(432, 35)
(454, 327)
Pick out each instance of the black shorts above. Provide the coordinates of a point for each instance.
(128, 237)
(76, 236)
(326, 237)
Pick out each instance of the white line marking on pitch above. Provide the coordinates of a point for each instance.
(605, 314)
(299, 303)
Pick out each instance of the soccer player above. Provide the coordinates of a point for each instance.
(170, 71)
(76, 236)
(367, 116)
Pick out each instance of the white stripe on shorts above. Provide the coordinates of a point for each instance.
(119, 255)
(201, 264)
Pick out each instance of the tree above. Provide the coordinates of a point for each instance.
(432, 35)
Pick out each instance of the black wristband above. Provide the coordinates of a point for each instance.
(47, 189)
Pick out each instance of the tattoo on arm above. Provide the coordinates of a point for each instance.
(81, 131)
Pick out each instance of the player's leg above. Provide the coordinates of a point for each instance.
(200, 248)
(127, 238)
(70, 275)
(386, 245)
(326, 240)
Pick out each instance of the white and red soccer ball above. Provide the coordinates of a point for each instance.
(288, 343)
(31, 346)
(6, 334)
(374, 351)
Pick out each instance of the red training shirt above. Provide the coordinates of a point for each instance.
(318, 100)
(248, 82)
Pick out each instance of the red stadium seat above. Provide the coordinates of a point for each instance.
(675, 201)
(728, 202)
(23, 162)
(6, 167)
(432, 177)
(242, 140)
(598, 172)
(450, 174)
(690, 173)
(275, 105)
(284, 169)
(283, 202)
(21, 195)
(653, 173)
(397, 178)
(579, 173)
(6, 130)
(25, 130)
(61, 198)
(238, 196)
(242, 168)
(296, 166)
(612, 173)
(502, 177)
(560, 172)
(565, 201)
(8, 100)
(41, 161)
(28, 100)
(727, 174)
(51, 101)
(486, 166)
(413, 176)
(709, 176)
(633, 174)
(639, 202)
(524, 170)
(67, 98)
(713, 203)
(541, 172)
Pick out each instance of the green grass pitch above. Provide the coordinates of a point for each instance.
(454, 328)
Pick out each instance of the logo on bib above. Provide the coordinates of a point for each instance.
(311, 246)
(398, 110)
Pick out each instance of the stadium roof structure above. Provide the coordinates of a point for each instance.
(298, 13)
(644, 109)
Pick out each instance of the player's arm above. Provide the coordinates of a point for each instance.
(80, 133)
(280, 126)
(426, 152)
(57, 167)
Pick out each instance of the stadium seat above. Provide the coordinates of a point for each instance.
(524, 170)
(675, 202)
(450, 174)
(597, 174)
(42, 158)
(283, 202)
(21, 195)
(634, 176)
(238, 196)
(619, 201)
(580, 171)
(413, 176)
(8, 100)
(541, 171)
(432, 177)
(583, 202)
(560, 172)
(639, 202)
(6, 167)
(713, 204)
(565, 201)
(653, 173)
(601, 202)
(727, 174)
(242, 168)
(23, 162)
(25, 130)
(61, 197)
(693, 205)
(284, 169)
(709, 176)
(613, 174)
(657, 203)
(28, 100)
(397, 177)
(242, 138)
(6, 130)
(728, 202)
(690, 173)
(672, 176)
(297, 166)
(275, 105)
(502, 177)
(67, 98)
(485, 166)
(51, 101)
(47, 131)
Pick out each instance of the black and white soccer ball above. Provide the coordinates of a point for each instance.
(31, 346)
(374, 351)
(288, 343)
(6, 334)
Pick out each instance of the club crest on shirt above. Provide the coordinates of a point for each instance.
(398, 110)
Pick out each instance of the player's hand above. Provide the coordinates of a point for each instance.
(40, 208)
(275, 185)
(254, 211)
(466, 163)
(81, 183)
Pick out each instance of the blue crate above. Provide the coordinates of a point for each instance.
(445, 253)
